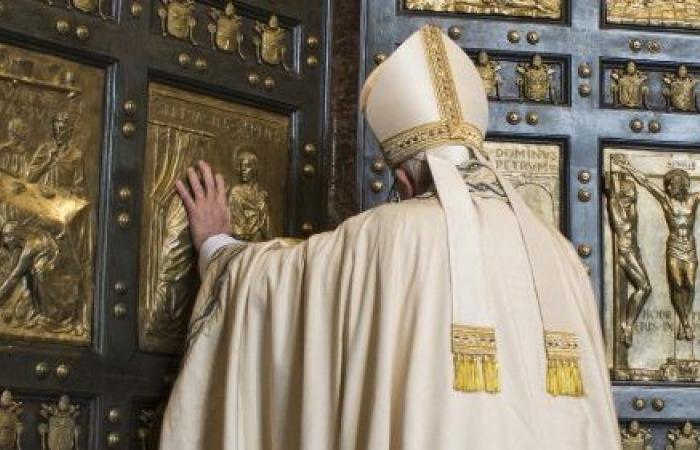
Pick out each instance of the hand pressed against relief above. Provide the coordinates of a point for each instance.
(205, 202)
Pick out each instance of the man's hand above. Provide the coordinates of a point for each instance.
(206, 206)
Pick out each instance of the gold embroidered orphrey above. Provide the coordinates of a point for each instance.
(685, 437)
(177, 19)
(60, 429)
(541, 9)
(636, 437)
(488, 71)
(680, 90)
(226, 30)
(11, 426)
(629, 87)
(656, 13)
(536, 81)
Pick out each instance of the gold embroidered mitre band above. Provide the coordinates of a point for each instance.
(422, 138)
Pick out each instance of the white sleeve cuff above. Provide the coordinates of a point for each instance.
(211, 246)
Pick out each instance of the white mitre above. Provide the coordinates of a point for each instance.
(397, 100)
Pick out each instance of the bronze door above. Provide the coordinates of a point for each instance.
(594, 116)
(103, 103)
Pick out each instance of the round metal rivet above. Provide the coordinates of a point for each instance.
(309, 170)
(654, 46)
(41, 370)
(513, 36)
(584, 195)
(584, 70)
(658, 404)
(201, 64)
(309, 149)
(128, 129)
(377, 186)
(312, 41)
(636, 125)
(584, 250)
(532, 118)
(513, 118)
(635, 45)
(130, 108)
(378, 166)
(63, 27)
(584, 176)
(124, 193)
(253, 79)
(454, 32)
(654, 126)
(124, 220)
(184, 59)
(533, 37)
(307, 228)
(379, 58)
(584, 90)
(136, 9)
(119, 310)
(114, 415)
(62, 371)
(269, 83)
(113, 439)
(312, 61)
(82, 32)
(639, 404)
(120, 288)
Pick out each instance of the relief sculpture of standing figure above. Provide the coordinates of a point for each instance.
(622, 210)
(249, 203)
(680, 208)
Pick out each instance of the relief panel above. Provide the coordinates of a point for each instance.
(266, 40)
(630, 85)
(655, 13)
(539, 9)
(651, 264)
(534, 169)
(250, 147)
(50, 141)
(523, 78)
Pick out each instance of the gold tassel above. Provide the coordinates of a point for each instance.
(475, 360)
(563, 364)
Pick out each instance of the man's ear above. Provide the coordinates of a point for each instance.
(405, 184)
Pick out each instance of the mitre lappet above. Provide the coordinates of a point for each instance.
(427, 101)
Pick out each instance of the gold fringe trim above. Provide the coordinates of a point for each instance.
(563, 364)
(474, 354)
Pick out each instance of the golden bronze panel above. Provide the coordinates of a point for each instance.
(49, 186)
(651, 263)
(250, 147)
(540, 9)
(685, 437)
(11, 425)
(535, 172)
(657, 13)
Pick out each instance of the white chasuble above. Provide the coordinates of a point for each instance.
(343, 342)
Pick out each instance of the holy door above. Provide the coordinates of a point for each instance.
(595, 118)
(103, 104)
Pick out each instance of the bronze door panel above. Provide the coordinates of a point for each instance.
(49, 187)
(250, 146)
